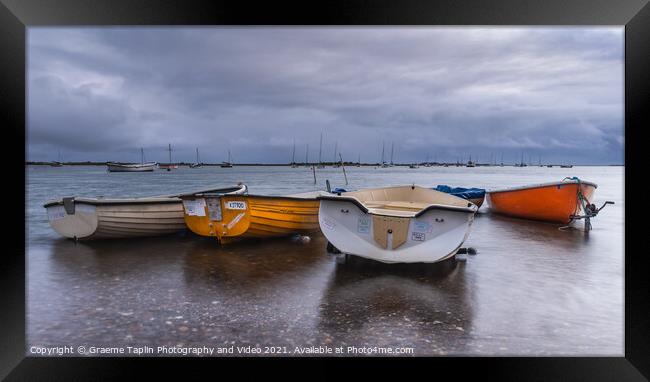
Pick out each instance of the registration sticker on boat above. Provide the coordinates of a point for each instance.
(422, 226)
(235, 205)
(418, 236)
(363, 225)
(194, 207)
(214, 209)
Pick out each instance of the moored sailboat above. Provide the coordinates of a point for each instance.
(132, 167)
(197, 164)
(169, 166)
(227, 164)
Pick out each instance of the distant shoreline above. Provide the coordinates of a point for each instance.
(184, 164)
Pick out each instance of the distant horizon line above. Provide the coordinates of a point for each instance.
(309, 164)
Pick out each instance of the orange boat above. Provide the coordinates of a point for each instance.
(227, 217)
(563, 202)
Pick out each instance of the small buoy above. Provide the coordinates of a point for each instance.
(301, 239)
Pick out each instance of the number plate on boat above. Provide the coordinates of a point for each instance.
(418, 236)
(214, 209)
(194, 207)
(363, 225)
(235, 205)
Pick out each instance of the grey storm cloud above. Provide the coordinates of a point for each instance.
(102, 93)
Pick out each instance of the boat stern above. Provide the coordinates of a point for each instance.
(432, 236)
(72, 219)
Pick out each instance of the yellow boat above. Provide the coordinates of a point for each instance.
(229, 217)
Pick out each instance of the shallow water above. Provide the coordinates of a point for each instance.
(531, 289)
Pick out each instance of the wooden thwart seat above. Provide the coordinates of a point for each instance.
(396, 205)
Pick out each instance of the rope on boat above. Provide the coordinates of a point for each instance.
(590, 209)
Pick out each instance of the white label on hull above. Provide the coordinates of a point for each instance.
(418, 236)
(422, 226)
(194, 207)
(363, 225)
(55, 213)
(214, 209)
(236, 205)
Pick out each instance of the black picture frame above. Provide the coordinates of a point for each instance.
(17, 15)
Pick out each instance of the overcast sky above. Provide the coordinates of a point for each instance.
(443, 93)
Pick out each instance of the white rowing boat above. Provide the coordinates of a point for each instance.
(98, 218)
(405, 224)
(131, 167)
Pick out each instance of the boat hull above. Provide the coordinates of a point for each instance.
(114, 167)
(120, 220)
(554, 202)
(228, 218)
(433, 236)
(83, 218)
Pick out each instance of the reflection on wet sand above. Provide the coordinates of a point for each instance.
(427, 307)
(249, 265)
(525, 232)
(180, 290)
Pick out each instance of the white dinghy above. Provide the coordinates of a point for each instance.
(82, 218)
(404, 224)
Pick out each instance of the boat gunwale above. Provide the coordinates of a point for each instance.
(283, 197)
(541, 185)
(162, 199)
(131, 165)
(434, 206)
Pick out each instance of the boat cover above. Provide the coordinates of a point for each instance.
(465, 193)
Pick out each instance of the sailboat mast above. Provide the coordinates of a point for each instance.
(197, 155)
(307, 155)
(392, 144)
(170, 153)
(141, 155)
(382, 152)
(320, 149)
(293, 155)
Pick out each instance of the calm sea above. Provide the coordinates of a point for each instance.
(531, 289)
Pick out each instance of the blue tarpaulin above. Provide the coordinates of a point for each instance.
(465, 193)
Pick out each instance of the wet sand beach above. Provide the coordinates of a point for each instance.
(531, 289)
